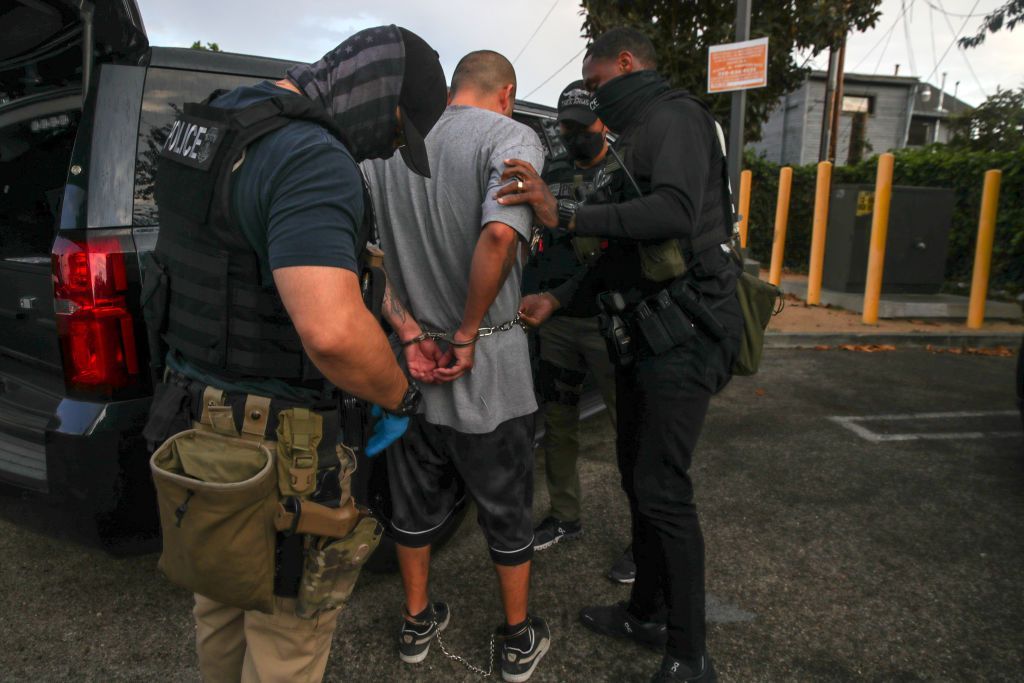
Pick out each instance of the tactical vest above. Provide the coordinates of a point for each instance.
(715, 221)
(219, 313)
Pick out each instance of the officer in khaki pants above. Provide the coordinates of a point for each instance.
(254, 290)
(571, 345)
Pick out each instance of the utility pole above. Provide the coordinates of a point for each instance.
(826, 114)
(837, 100)
(737, 115)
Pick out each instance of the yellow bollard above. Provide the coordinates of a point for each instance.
(879, 233)
(781, 217)
(821, 198)
(983, 250)
(744, 209)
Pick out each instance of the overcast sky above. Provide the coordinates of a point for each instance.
(305, 29)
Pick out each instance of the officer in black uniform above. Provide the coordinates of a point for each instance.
(667, 284)
(254, 287)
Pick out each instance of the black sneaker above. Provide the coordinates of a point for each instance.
(673, 670)
(521, 652)
(416, 634)
(624, 569)
(552, 530)
(615, 620)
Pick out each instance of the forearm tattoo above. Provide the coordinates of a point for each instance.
(393, 307)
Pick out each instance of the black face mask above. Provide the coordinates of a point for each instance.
(582, 145)
(618, 101)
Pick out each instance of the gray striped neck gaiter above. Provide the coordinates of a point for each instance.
(359, 83)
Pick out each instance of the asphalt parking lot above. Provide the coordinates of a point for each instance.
(864, 517)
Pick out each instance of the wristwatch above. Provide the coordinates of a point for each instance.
(410, 401)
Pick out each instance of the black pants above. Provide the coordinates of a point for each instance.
(662, 402)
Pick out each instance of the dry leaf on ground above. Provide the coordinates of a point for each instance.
(997, 351)
(822, 347)
(867, 348)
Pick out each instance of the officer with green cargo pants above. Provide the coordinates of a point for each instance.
(570, 343)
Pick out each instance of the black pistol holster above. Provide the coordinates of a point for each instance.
(614, 329)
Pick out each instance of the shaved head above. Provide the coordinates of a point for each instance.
(483, 71)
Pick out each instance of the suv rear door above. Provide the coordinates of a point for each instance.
(42, 67)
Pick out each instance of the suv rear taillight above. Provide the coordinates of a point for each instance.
(94, 324)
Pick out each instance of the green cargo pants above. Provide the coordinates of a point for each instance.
(569, 348)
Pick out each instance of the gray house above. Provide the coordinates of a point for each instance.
(879, 114)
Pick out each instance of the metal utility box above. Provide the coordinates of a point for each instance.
(918, 240)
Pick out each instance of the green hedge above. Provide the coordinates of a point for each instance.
(934, 166)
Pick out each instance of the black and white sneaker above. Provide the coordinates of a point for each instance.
(416, 634)
(616, 621)
(624, 569)
(673, 670)
(552, 530)
(522, 651)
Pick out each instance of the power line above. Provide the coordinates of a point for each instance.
(942, 11)
(560, 70)
(535, 31)
(910, 45)
(955, 37)
(931, 30)
(881, 55)
(963, 54)
(884, 37)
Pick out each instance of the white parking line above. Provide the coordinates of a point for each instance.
(853, 423)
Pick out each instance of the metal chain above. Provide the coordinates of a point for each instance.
(475, 669)
(481, 332)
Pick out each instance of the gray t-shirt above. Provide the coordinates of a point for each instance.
(429, 228)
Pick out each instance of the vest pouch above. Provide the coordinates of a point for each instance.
(299, 431)
(217, 496)
(154, 300)
(661, 261)
(332, 566)
(587, 249)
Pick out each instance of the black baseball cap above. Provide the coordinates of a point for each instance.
(422, 100)
(574, 104)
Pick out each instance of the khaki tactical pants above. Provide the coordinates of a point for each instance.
(569, 347)
(253, 647)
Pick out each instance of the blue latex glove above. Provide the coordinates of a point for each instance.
(387, 430)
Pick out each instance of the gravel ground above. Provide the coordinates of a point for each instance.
(829, 557)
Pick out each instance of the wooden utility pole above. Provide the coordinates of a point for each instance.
(837, 101)
(826, 114)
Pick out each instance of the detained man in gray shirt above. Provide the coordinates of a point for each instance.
(454, 259)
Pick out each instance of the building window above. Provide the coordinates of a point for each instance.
(858, 104)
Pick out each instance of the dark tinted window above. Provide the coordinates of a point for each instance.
(165, 93)
(919, 132)
(547, 131)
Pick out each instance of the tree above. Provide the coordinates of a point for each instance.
(212, 47)
(1008, 15)
(996, 124)
(682, 31)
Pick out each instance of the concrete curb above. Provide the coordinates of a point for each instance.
(795, 340)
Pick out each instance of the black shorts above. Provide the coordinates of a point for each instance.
(496, 468)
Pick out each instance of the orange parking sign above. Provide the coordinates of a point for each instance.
(738, 66)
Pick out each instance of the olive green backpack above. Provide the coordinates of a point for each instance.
(759, 300)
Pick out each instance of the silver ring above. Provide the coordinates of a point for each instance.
(519, 185)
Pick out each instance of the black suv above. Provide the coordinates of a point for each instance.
(85, 103)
